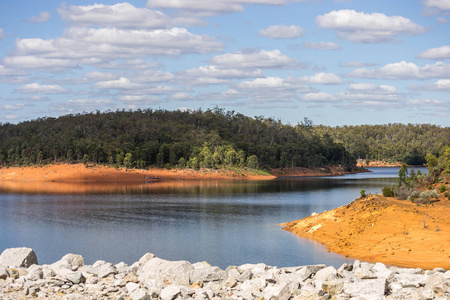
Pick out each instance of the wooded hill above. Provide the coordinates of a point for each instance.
(392, 142)
(210, 139)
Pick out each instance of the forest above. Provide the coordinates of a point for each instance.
(214, 138)
(408, 143)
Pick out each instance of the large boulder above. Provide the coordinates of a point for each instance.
(18, 258)
(169, 272)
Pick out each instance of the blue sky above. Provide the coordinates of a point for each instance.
(335, 62)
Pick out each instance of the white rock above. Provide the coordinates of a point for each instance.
(175, 272)
(207, 274)
(368, 287)
(277, 292)
(35, 272)
(171, 292)
(139, 294)
(131, 287)
(18, 257)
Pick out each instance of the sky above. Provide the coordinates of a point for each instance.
(335, 62)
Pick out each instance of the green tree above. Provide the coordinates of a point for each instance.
(252, 162)
(128, 160)
(402, 174)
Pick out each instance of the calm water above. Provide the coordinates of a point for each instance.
(225, 224)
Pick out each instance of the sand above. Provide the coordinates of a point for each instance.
(380, 229)
(78, 178)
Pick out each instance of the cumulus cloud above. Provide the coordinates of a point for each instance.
(442, 5)
(371, 96)
(319, 78)
(10, 72)
(206, 75)
(92, 46)
(440, 85)
(213, 7)
(121, 84)
(319, 97)
(322, 46)
(440, 53)
(139, 99)
(42, 18)
(120, 15)
(426, 102)
(2, 34)
(360, 27)
(35, 88)
(282, 31)
(404, 70)
(262, 59)
(356, 64)
(17, 106)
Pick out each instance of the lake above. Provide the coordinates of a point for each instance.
(223, 223)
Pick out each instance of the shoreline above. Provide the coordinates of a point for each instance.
(80, 173)
(380, 229)
(21, 277)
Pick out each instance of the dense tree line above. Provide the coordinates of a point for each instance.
(211, 139)
(391, 142)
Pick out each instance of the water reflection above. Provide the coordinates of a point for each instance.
(224, 223)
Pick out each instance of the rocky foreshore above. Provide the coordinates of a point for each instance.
(154, 278)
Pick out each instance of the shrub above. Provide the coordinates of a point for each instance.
(413, 196)
(442, 188)
(388, 191)
(363, 193)
(435, 194)
(402, 192)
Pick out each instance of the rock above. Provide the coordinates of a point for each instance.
(103, 269)
(18, 258)
(333, 287)
(175, 272)
(368, 287)
(435, 283)
(325, 274)
(131, 287)
(70, 261)
(3, 273)
(277, 292)
(145, 258)
(207, 274)
(35, 272)
(75, 277)
(171, 292)
(139, 294)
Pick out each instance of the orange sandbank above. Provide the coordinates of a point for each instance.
(380, 229)
(78, 178)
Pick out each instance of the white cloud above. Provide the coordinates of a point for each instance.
(370, 88)
(91, 103)
(139, 99)
(34, 62)
(93, 46)
(360, 27)
(436, 53)
(256, 60)
(99, 76)
(442, 20)
(426, 102)
(11, 117)
(357, 64)
(213, 7)
(371, 96)
(319, 97)
(17, 106)
(35, 88)
(152, 76)
(282, 31)
(120, 15)
(206, 75)
(42, 18)
(404, 70)
(121, 84)
(440, 85)
(322, 46)
(319, 78)
(2, 34)
(10, 72)
(442, 5)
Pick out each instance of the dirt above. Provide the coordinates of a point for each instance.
(380, 229)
